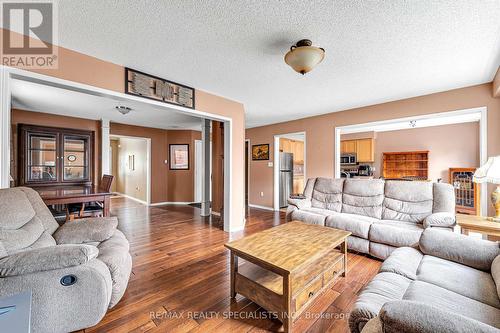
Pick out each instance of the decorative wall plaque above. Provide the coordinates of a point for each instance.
(152, 87)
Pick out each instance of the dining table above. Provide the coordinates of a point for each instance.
(63, 195)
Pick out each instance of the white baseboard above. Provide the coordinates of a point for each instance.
(170, 203)
(261, 207)
(131, 198)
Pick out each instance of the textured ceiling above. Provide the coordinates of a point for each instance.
(376, 51)
(35, 97)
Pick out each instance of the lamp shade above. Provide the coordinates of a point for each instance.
(489, 172)
(303, 57)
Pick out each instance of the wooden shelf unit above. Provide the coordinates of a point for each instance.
(408, 164)
(467, 200)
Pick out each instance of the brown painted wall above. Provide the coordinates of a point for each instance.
(46, 119)
(449, 146)
(320, 131)
(78, 67)
(217, 166)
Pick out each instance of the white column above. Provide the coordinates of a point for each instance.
(4, 128)
(105, 163)
(205, 193)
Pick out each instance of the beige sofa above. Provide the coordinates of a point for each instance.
(451, 284)
(75, 272)
(381, 215)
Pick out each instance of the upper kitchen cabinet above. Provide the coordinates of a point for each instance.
(348, 146)
(363, 148)
(365, 151)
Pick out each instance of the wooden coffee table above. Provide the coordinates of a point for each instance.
(287, 267)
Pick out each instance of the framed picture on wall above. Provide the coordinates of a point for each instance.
(260, 152)
(179, 156)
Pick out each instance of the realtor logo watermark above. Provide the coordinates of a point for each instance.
(29, 33)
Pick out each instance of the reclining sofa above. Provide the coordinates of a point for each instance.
(75, 272)
(450, 284)
(381, 215)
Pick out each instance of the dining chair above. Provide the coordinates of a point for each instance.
(95, 209)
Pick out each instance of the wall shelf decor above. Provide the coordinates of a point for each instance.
(158, 89)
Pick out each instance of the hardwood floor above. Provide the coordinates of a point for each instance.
(180, 277)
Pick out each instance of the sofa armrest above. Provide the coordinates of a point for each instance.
(300, 203)
(46, 258)
(443, 219)
(87, 230)
(415, 317)
(473, 252)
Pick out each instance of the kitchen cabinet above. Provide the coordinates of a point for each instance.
(363, 148)
(348, 146)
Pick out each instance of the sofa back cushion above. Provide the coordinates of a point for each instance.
(20, 226)
(444, 198)
(363, 197)
(327, 194)
(495, 273)
(409, 201)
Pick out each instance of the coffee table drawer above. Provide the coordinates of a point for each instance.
(333, 271)
(309, 292)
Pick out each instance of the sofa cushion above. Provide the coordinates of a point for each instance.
(444, 198)
(416, 317)
(358, 244)
(363, 197)
(308, 217)
(407, 201)
(114, 253)
(445, 299)
(15, 240)
(86, 230)
(476, 253)
(395, 233)
(384, 287)
(495, 273)
(16, 209)
(327, 194)
(45, 259)
(41, 210)
(320, 211)
(461, 279)
(403, 261)
(308, 189)
(358, 225)
(381, 251)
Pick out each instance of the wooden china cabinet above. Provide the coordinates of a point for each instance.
(54, 156)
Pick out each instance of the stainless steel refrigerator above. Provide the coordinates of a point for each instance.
(286, 178)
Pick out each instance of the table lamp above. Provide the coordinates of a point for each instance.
(490, 173)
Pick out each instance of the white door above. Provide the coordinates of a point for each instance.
(198, 170)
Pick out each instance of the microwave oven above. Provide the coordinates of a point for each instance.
(348, 159)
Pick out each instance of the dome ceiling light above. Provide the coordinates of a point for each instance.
(303, 57)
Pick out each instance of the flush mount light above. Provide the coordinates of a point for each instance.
(303, 57)
(123, 109)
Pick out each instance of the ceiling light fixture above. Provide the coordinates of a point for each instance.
(303, 57)
(123, 109)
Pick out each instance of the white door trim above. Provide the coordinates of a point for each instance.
(8, 73)
(440, 118)
(276, 167)
(148, 165)
(198, 170)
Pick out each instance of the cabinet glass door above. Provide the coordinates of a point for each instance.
(42, 158)
(75, 158)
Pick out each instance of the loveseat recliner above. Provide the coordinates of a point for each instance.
(381, 215)
(449, 284)
(75, 272)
